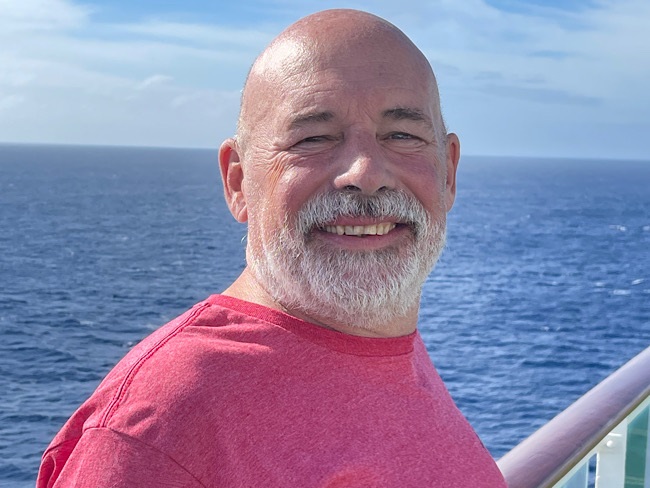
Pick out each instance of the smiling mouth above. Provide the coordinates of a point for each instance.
(361, 230)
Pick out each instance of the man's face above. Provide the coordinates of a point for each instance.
(346, 186)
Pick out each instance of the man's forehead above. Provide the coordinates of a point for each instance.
(304, 74)
(283, 58)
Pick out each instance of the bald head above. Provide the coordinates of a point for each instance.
(329, 40)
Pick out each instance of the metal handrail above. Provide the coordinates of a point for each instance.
(546, 456)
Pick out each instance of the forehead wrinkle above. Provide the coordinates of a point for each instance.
(406, 113)
(301, 120)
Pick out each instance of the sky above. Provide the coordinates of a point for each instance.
(517, 77)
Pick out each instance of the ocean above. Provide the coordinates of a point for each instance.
(543, 289)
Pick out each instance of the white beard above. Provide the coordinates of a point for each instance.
(363, 289)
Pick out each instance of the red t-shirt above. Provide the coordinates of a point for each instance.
(233, 394)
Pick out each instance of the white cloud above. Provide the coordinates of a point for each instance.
(14, 78)
(37, 15)
(10, 101)
(197, 33)
(153, 81)
(67, 78)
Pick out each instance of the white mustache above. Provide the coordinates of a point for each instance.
(392, 205)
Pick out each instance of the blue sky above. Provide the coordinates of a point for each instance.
(517, 78)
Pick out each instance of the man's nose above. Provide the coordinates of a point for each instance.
(364, 167)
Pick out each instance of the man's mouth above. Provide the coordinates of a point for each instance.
(361, 230)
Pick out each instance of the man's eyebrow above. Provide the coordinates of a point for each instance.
(405, 113)
(311, 117)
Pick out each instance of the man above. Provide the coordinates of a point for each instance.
(308, 371)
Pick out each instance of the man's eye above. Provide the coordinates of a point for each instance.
(401, 136)
(313, 139)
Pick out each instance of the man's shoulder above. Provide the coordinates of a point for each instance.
(185, 381)
(164, 341)
(206, 328)
(205, 341)
(193, 358)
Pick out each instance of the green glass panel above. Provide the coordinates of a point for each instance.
(636, 451)
(579, 478)
(647, 459)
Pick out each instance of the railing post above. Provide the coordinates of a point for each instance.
(610, 469)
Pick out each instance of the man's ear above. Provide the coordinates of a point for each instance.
(232, 175)
(453, 156)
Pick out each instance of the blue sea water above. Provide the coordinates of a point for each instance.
(543, 290)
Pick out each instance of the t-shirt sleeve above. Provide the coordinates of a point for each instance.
(104, 458)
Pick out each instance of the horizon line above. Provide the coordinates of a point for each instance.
(216, 148)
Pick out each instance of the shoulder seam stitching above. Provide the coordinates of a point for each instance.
(128, 379)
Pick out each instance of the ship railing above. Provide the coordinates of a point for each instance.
(600, 441)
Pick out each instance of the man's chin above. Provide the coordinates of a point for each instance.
(365, 289)
(367, 315)
(366, 296)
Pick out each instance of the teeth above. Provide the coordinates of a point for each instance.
(361, 230)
